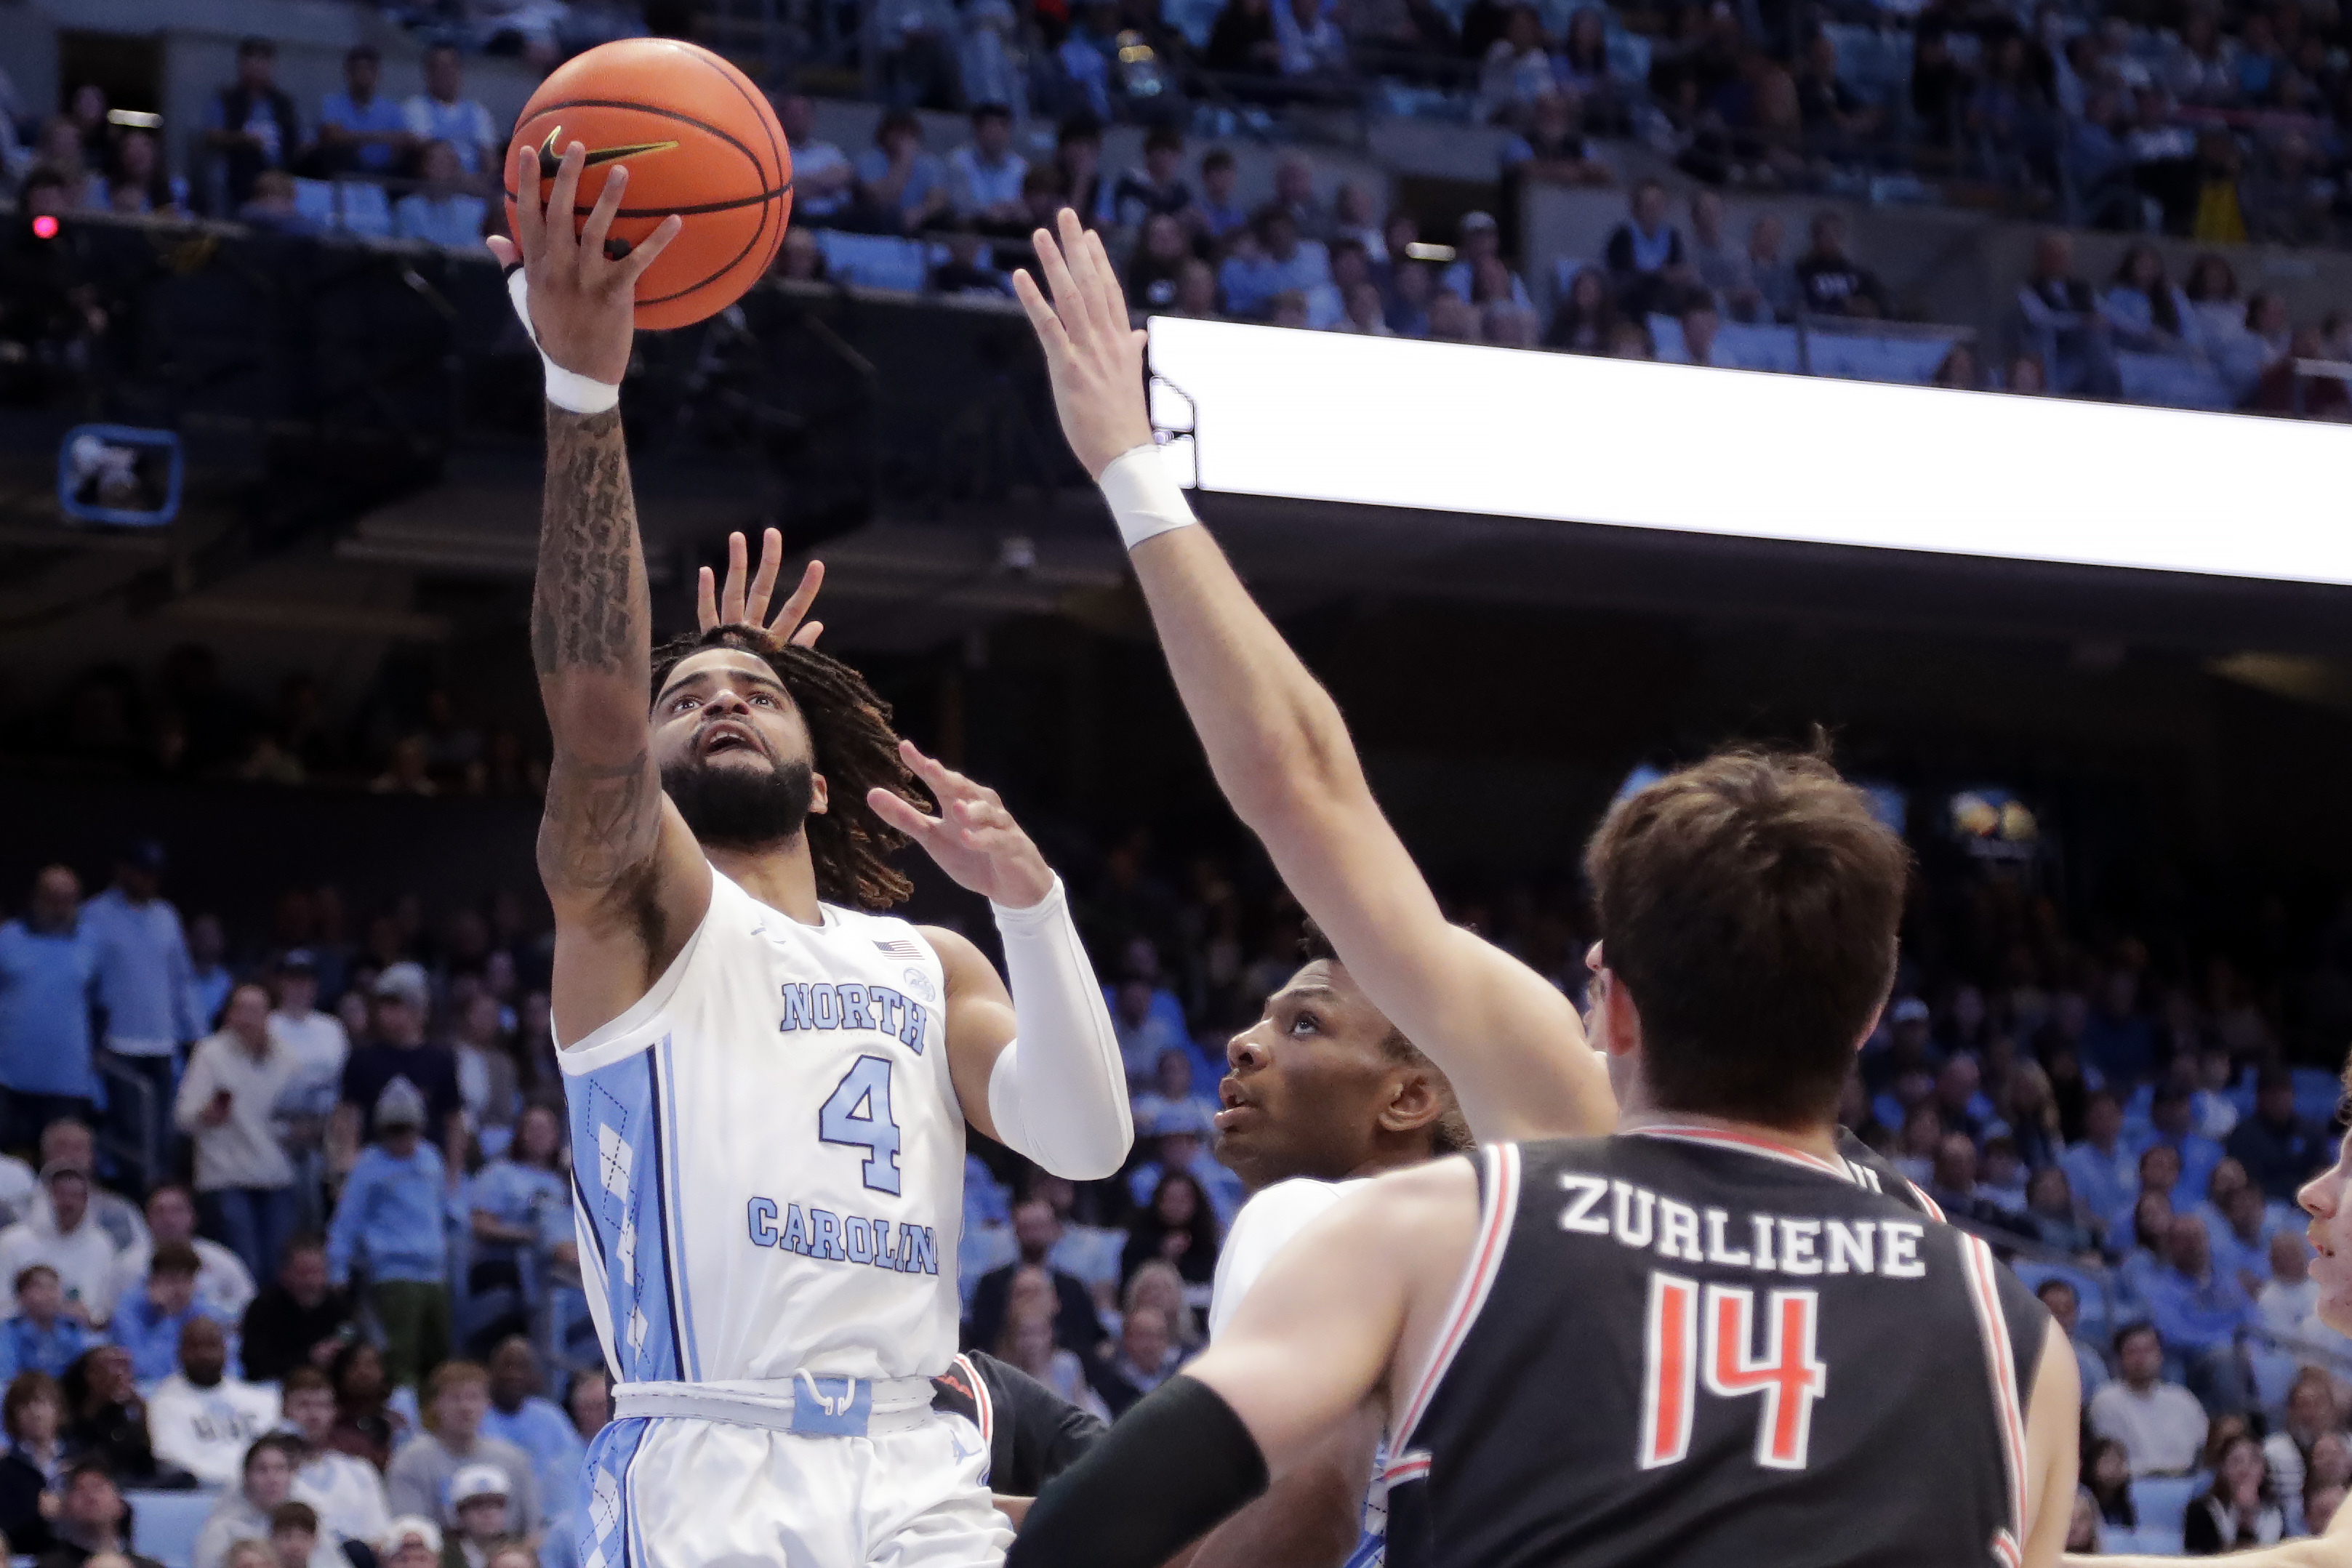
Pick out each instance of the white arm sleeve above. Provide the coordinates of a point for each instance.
(1058, 1093)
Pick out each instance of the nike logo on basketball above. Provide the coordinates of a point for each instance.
(549, 158)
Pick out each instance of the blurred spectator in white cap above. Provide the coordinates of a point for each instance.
(411, 1543)
(478, 1495)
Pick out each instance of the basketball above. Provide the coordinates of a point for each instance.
(698, 139)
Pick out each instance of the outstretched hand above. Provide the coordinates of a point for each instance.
(974, 839)
(584, 298)
(738, 604)
(1094, 357)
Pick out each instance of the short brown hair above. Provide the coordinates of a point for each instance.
(292, 1515)
(445, 1377)
(1750, 905)
(175, 1258)
(29, 1388)
(302, 1380)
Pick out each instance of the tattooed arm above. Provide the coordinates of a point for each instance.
(628, 879)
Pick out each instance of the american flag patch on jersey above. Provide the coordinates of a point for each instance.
(900, 949)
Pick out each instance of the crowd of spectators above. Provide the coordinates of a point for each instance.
(347, 1273)
(323, 1269)
(433, 156)
(1334, 256)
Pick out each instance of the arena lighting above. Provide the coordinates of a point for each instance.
(1331, 416)
(45, 226)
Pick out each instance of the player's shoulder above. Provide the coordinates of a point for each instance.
(1282, 1208)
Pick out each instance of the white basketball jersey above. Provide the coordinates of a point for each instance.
(767, 1156)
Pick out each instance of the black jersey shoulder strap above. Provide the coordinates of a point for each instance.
(2005, 1322)
(1497, 1167)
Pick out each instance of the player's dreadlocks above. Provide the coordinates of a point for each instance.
(855, 748)
(1450, 1134)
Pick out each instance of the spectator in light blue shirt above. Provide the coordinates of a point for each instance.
(442, 113)
(151, 1316)
(48, 980)
(40, 1337)
(2199, 1313)
(147, 986)
(1272, 261)
(984, 176)
(520, 1414)
(2103, 1174)
(442, 212)
(2170, 1127)
(389, 1222)
(900, 187)
(1216, 212)
(359, 130)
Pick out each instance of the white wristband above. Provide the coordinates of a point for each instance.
(1145, 499)
(567, 389)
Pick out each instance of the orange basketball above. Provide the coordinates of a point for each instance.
(699, 139)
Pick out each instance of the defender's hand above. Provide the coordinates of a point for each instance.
(1095, 358)
(974, 839)
(737, 606)
(582, 301)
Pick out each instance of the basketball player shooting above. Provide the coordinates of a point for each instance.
(768, 1080)
(1532, 1422)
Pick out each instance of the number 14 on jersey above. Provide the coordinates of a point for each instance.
(1692, 1332)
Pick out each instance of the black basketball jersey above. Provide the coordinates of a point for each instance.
(1685, 1346)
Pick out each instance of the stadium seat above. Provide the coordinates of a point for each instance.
(1903, 360)
(366, 210)
(2170, 380)
(164, 1523)
(2161, 1500)
(315, 201)
(872, 261)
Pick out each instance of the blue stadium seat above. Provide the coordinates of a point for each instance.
(164, 1523)
(315, 200)
(2161, 1500)
(873, 261)
(1876, 359)
(366, 210)
(2173, 381)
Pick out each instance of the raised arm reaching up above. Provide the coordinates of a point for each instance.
(1511, 1043)
(625, 877)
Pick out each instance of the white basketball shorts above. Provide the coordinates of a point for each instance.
(681, 1492)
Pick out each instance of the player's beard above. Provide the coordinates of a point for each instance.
(740, 808)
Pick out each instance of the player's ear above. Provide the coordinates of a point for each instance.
(818, 795)
(1415, 1101)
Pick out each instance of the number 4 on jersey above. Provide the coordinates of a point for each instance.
(1682, 1343)
(857, 1112)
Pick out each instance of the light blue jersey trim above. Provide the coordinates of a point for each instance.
(617, 1132)
(674, 1222)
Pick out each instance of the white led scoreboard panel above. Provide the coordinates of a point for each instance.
(1330, 416)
